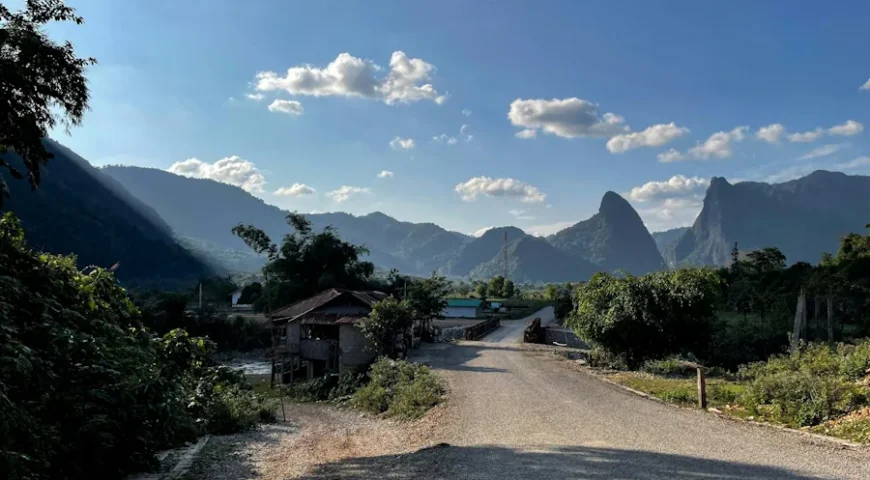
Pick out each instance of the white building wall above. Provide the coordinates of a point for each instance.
(460, 312)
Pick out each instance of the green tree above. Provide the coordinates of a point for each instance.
(427, 296)
(386, 323)
(496, 286)
(509, 289)
(463, 289)
(307, 262)
(551, 292)
(641, 318)
(42, 83)
(481, 289)
(563, 304)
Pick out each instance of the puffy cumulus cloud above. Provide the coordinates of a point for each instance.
(405, 81)
(672, 155)
(806, 137)
(526, 134)
(719, 144)
(771, 133)
(295, 190)
(671, 213)
(654, 136)
(568, 118)
(676, 186)
(851, 127)
(255, 96)
(549, 229)
(290, 107)
(499, 187)
(345, 192)
(854, 163)
(232, 170)
(386, 174)
(444, 138)
(479, 232)
(402, 143)
(466, 112)
(823, 151)
(865, 86)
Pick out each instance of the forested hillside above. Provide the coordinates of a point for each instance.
(77, 210)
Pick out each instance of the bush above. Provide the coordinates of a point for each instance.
(648, 317)
(88, 392)
(399, 388)
(811, 386)
(600, 358)
(328, 388)
(669, 367)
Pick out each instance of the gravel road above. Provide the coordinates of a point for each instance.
(516, 414)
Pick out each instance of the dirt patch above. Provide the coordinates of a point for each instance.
(314, 435)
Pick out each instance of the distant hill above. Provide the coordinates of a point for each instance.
(803, 218)
(665, 240)
(615, 238)
(205, 211)
(483, 249)
(533, 259)
(79, 210)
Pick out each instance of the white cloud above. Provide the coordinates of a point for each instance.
(290, 107)
(851, 127)
(386, 174)
(255, 96)
(806, 137)
(854, 163)
(790, 173)
(444, 138)
(469, 138)
(866, 85)
(463, 132)
(568, 118)
(344, 192)
(406, 80)
(654, 136)
(479, 233)
(549, 206)
(232, 170)
(463, 129)
(521, 214)
(671, 155)
(822, 151)
(548, 229)
(771, 133)
(526, 134)
(676, 186)
(466, 112)
(295, 190)
(499, 187)
(403, 143)
(671, 213)
(719, 144)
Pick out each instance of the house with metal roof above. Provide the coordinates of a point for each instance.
(321, 335)
(463, 308)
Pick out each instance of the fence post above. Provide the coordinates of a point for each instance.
(702, 387)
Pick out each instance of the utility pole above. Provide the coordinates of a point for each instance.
(200, 296)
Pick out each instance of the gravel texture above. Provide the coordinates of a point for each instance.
(515, 414)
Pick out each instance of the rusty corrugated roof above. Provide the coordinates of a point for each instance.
(303, 307)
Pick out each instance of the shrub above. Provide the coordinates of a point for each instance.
(399, 388)
(642, 318)
(813, 385)
(669, 367)
(328, 388)
(601, 358)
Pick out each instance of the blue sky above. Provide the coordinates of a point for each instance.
(608, 88)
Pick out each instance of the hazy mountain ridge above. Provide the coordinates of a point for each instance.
(79, 210)
(803, 218)
(666, 239)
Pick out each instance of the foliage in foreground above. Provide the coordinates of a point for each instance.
(399, 388)
(326, 389)
(815, 384)
(388, 320)
(86, 390)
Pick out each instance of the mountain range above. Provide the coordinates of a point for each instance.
(202, 213)
(79, 210)
(803, 218)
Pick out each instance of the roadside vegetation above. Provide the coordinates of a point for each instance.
(766, 361)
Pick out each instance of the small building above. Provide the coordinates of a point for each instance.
(235, 296)
(463, 308)
(321, 335)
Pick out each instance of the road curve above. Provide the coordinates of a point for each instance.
(516, 414)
